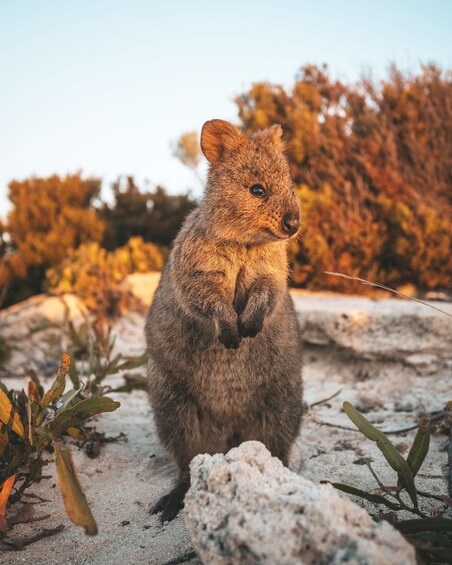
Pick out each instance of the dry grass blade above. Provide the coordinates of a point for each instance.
(8, 415)
(74, 498)
(57, 389)
(4, 495)
(389, 289)
(324, 400)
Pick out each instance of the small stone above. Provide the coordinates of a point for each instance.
(406, 405)
(424, 363)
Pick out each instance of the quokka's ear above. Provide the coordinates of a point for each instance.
(274, 134)
(218, 138)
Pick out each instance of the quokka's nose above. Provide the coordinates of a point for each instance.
(291, 223)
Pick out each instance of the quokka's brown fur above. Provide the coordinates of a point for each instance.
(223, 338)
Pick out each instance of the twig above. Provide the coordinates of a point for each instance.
(318, 402)
(330, 425)
(374, 474)
(433, 418)
(31, 495)
(449, 475)
(429, 495)
(181, 559)
(409, 508)
(18, 544)
(384, 287)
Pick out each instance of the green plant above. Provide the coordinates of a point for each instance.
(33, 424)
(91, 345)
(432, 536)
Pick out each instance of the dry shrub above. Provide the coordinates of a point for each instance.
(93, 273)
(372, 164)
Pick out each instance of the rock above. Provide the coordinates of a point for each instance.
(245, 507)
(142, 286)
(17, 320)
(19, 325)
(390, 330)
(424, 363)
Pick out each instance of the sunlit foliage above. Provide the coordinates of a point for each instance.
(372, 163)
(49, 217)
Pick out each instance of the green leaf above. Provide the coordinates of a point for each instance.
(79, 413)
(132, 382)
(75, 502)
(44, 436)
(67, 398)
(74, 335)
(375, 498)
(420, 446)
(73, 373)
(132, 363)
(392, 456)
(57, 389)
(424, 525)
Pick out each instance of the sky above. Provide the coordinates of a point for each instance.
(105, 87)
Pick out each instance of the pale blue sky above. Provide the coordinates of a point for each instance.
(104, 86)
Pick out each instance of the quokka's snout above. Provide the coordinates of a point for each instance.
(291, 223)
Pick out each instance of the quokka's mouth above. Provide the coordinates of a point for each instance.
(280, 237)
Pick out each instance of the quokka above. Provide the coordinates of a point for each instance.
(223, 339)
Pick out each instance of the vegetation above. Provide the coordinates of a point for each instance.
(155, 216)
(371, 164)
(59, 226)
(49, 218)
(93, 273)
(372, 168)
(34, 423)
(91, 346)
(432, 536)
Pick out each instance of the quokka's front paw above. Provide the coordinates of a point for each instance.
(229, 336)
(250, 326)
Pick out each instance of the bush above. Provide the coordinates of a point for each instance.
(155, 216)
(93, 273)
(372, 164)
(49, 217)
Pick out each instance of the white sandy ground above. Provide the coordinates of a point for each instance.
(130, 475)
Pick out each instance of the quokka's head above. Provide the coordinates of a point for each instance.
(249, 195)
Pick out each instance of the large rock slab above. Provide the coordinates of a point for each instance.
(21, 327)
(245, 507)
(388, 329)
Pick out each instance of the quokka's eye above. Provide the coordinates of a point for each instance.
(258, 190)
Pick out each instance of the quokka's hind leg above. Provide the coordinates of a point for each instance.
(170, 504)
(279, 424)
(178, 427)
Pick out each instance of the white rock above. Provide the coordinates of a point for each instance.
(391, 330)
(142, 285)
(245, 507)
